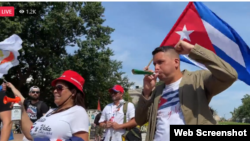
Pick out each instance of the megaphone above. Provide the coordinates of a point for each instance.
(8, 100)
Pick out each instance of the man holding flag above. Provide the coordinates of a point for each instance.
(199, 25)
(184, 96)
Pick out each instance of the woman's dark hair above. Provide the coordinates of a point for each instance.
(79, 98)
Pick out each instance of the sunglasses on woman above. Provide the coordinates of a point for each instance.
(59, 88)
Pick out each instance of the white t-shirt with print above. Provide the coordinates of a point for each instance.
(169, 112)
(111, 110)
(61, 125)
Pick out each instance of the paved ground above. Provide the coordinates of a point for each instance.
(18, 137)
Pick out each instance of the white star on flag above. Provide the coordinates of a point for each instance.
(185, 33)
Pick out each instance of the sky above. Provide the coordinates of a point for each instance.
(142, 26)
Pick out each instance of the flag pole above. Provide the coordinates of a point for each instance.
(98, 104)
(149, 65)
(150, 62)
(4, 80)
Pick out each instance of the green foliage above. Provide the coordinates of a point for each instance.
(232, 123)
(45, 37)
(242, 111)
(233, 113)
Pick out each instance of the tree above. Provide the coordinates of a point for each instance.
(93, 58)
(233, 113)
(127, 97)
(100, 73)
(243, 111)
(45, 37)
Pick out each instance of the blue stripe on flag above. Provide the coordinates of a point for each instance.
(182, 58)
(210, 17)
(243, 75)
(168, 93)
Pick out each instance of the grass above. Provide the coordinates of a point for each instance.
(232, 123)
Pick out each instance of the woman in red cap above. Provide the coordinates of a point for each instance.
(68, 119)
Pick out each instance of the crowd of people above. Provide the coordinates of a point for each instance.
(183, 98)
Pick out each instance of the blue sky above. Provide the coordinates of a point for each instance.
(142, 26)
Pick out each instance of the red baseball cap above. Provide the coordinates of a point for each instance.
(72, 77)
(117, 88)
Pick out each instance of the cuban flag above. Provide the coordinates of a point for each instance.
(198, 24)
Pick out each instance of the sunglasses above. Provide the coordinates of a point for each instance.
(59, 88)
(35, 92)
(113, 92)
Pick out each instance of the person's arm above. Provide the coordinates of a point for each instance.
(103, 122)
(26, 124)
(131, 123)
(79, 124)
(83, 135)
(141, 111)
(16, 92)
(7, 125)
(127, 125)
(220, 76)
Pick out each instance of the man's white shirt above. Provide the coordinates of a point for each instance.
(169, 112)
(112, 110)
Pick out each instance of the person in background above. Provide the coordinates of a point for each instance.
(5, 115)
(35, 108)
(69, 120)
(112, 117)
(98, 128)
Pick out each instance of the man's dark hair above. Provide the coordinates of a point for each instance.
(169, 49)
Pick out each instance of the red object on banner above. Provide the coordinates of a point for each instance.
(99, 105)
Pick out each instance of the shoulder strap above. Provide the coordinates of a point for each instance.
(125, 107)
(39, 105)
(26, 104)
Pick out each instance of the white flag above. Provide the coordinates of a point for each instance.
(9, 53)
